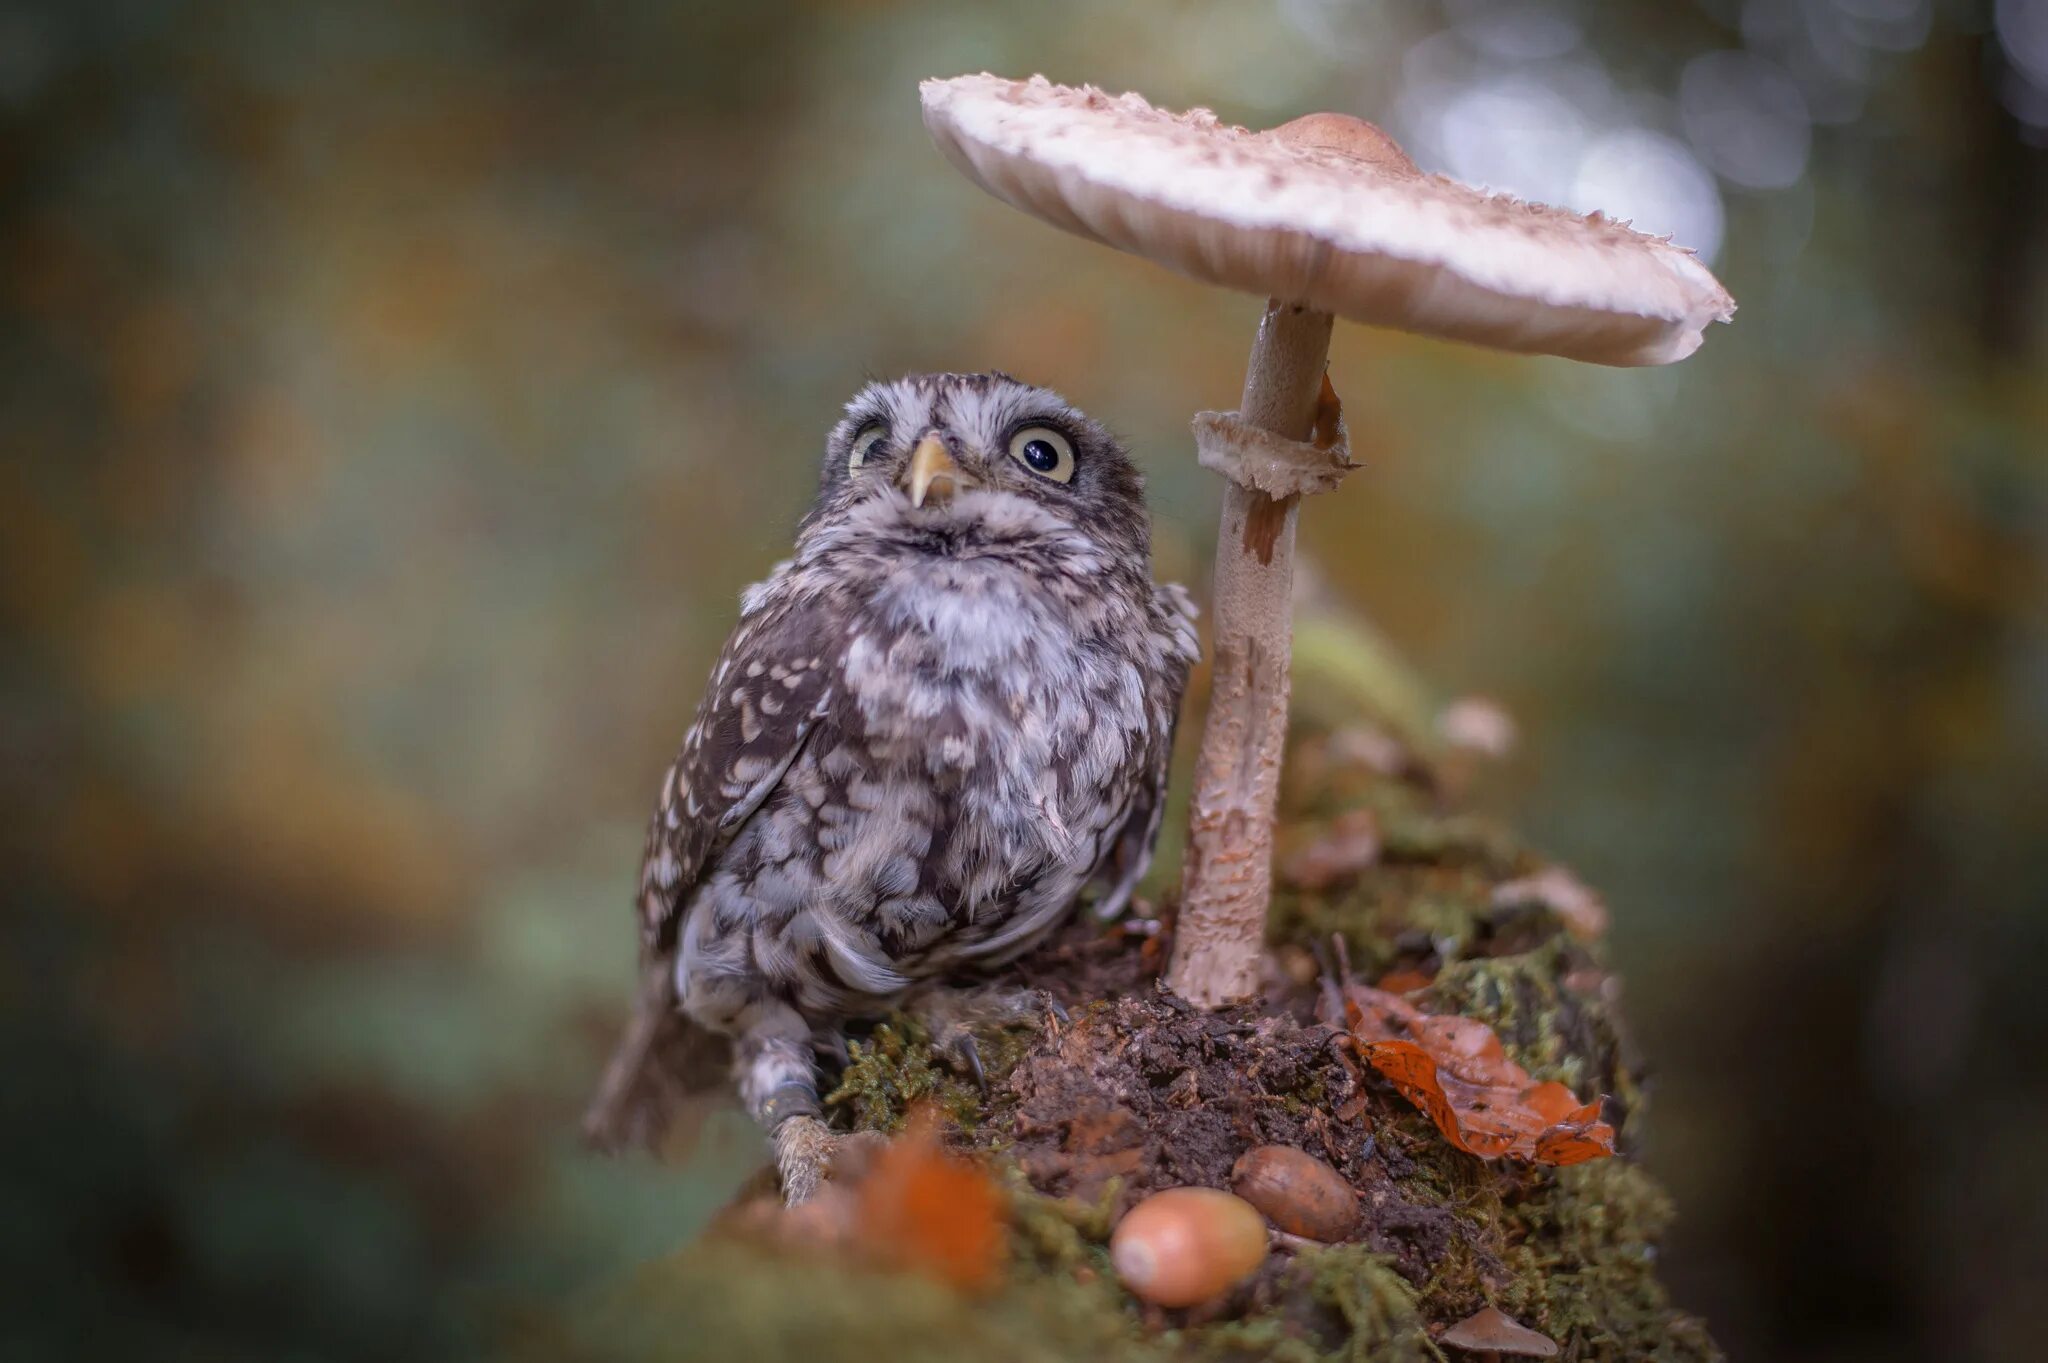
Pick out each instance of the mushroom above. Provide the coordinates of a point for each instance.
(1491, 1333)
(1325, 217)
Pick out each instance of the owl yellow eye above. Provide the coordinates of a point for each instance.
(871, 437)
(1045, 452)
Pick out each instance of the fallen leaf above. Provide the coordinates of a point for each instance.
(1374, 749)
(923, 1209)
(1405, 981)
(1574, 902)
(1479, 725)
(1454, 1069)
(1297, 964)
(1348, 846)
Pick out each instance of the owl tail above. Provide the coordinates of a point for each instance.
(661, 1066)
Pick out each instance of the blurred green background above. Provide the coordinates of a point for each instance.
(397, 396)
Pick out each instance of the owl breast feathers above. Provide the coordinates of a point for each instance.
(945, 715)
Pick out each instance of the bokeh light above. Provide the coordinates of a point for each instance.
(2022, 27)
(1654, 182)
(1747, 117)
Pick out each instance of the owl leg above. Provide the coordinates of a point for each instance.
(778, 1081)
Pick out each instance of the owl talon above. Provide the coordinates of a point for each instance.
(968, 1053)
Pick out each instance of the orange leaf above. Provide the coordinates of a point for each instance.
(1454, 1069)
(1405, 981)
(925, 1210)
(1329, 418)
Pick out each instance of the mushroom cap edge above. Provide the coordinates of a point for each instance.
(1369, 241)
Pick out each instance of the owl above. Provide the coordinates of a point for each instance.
(936, 724)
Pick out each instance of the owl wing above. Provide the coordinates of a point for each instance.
(1130, 855)
(771, 685)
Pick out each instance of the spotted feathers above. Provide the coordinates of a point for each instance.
(932, 727)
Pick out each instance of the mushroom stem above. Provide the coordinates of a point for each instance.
(1228, 870)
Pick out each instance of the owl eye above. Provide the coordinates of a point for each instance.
(1045, 452)
(872, 436)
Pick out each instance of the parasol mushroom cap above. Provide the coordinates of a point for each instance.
(1491, 1331)
(1328, 212)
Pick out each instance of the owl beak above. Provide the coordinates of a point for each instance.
(932, 475)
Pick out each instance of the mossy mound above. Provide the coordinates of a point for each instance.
(1136, 1091)
(729, 1298)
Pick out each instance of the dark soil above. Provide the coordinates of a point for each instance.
(1139, 1094)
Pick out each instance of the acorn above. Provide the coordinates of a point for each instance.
(1187, 1245)
(1298, 1192)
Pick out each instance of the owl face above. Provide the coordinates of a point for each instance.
(946, 455)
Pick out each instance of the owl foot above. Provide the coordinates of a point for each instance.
(807, 1153)
(953, 1015)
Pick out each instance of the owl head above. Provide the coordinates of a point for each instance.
(960, 457)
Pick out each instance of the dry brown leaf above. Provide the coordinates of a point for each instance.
(1574, 902)
(1454, 1069)
(1374, 749)
(1350, 845)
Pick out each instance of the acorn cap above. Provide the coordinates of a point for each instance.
(1326, 211)
(1492, 1331)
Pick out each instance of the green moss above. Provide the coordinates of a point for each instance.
(729, 1298)
(890, 1073)
(1412, 834)
(1376, 1304)
(897, 1067)
(1398, 911)
(734, 1298)
(1430, 895)
(1413, 825)
(1459, 1282)
(1060, 1233)
(1583, 1256)
(1343, 1304)
(1570, 1252)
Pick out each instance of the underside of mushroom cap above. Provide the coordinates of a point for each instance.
(1361, 235)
